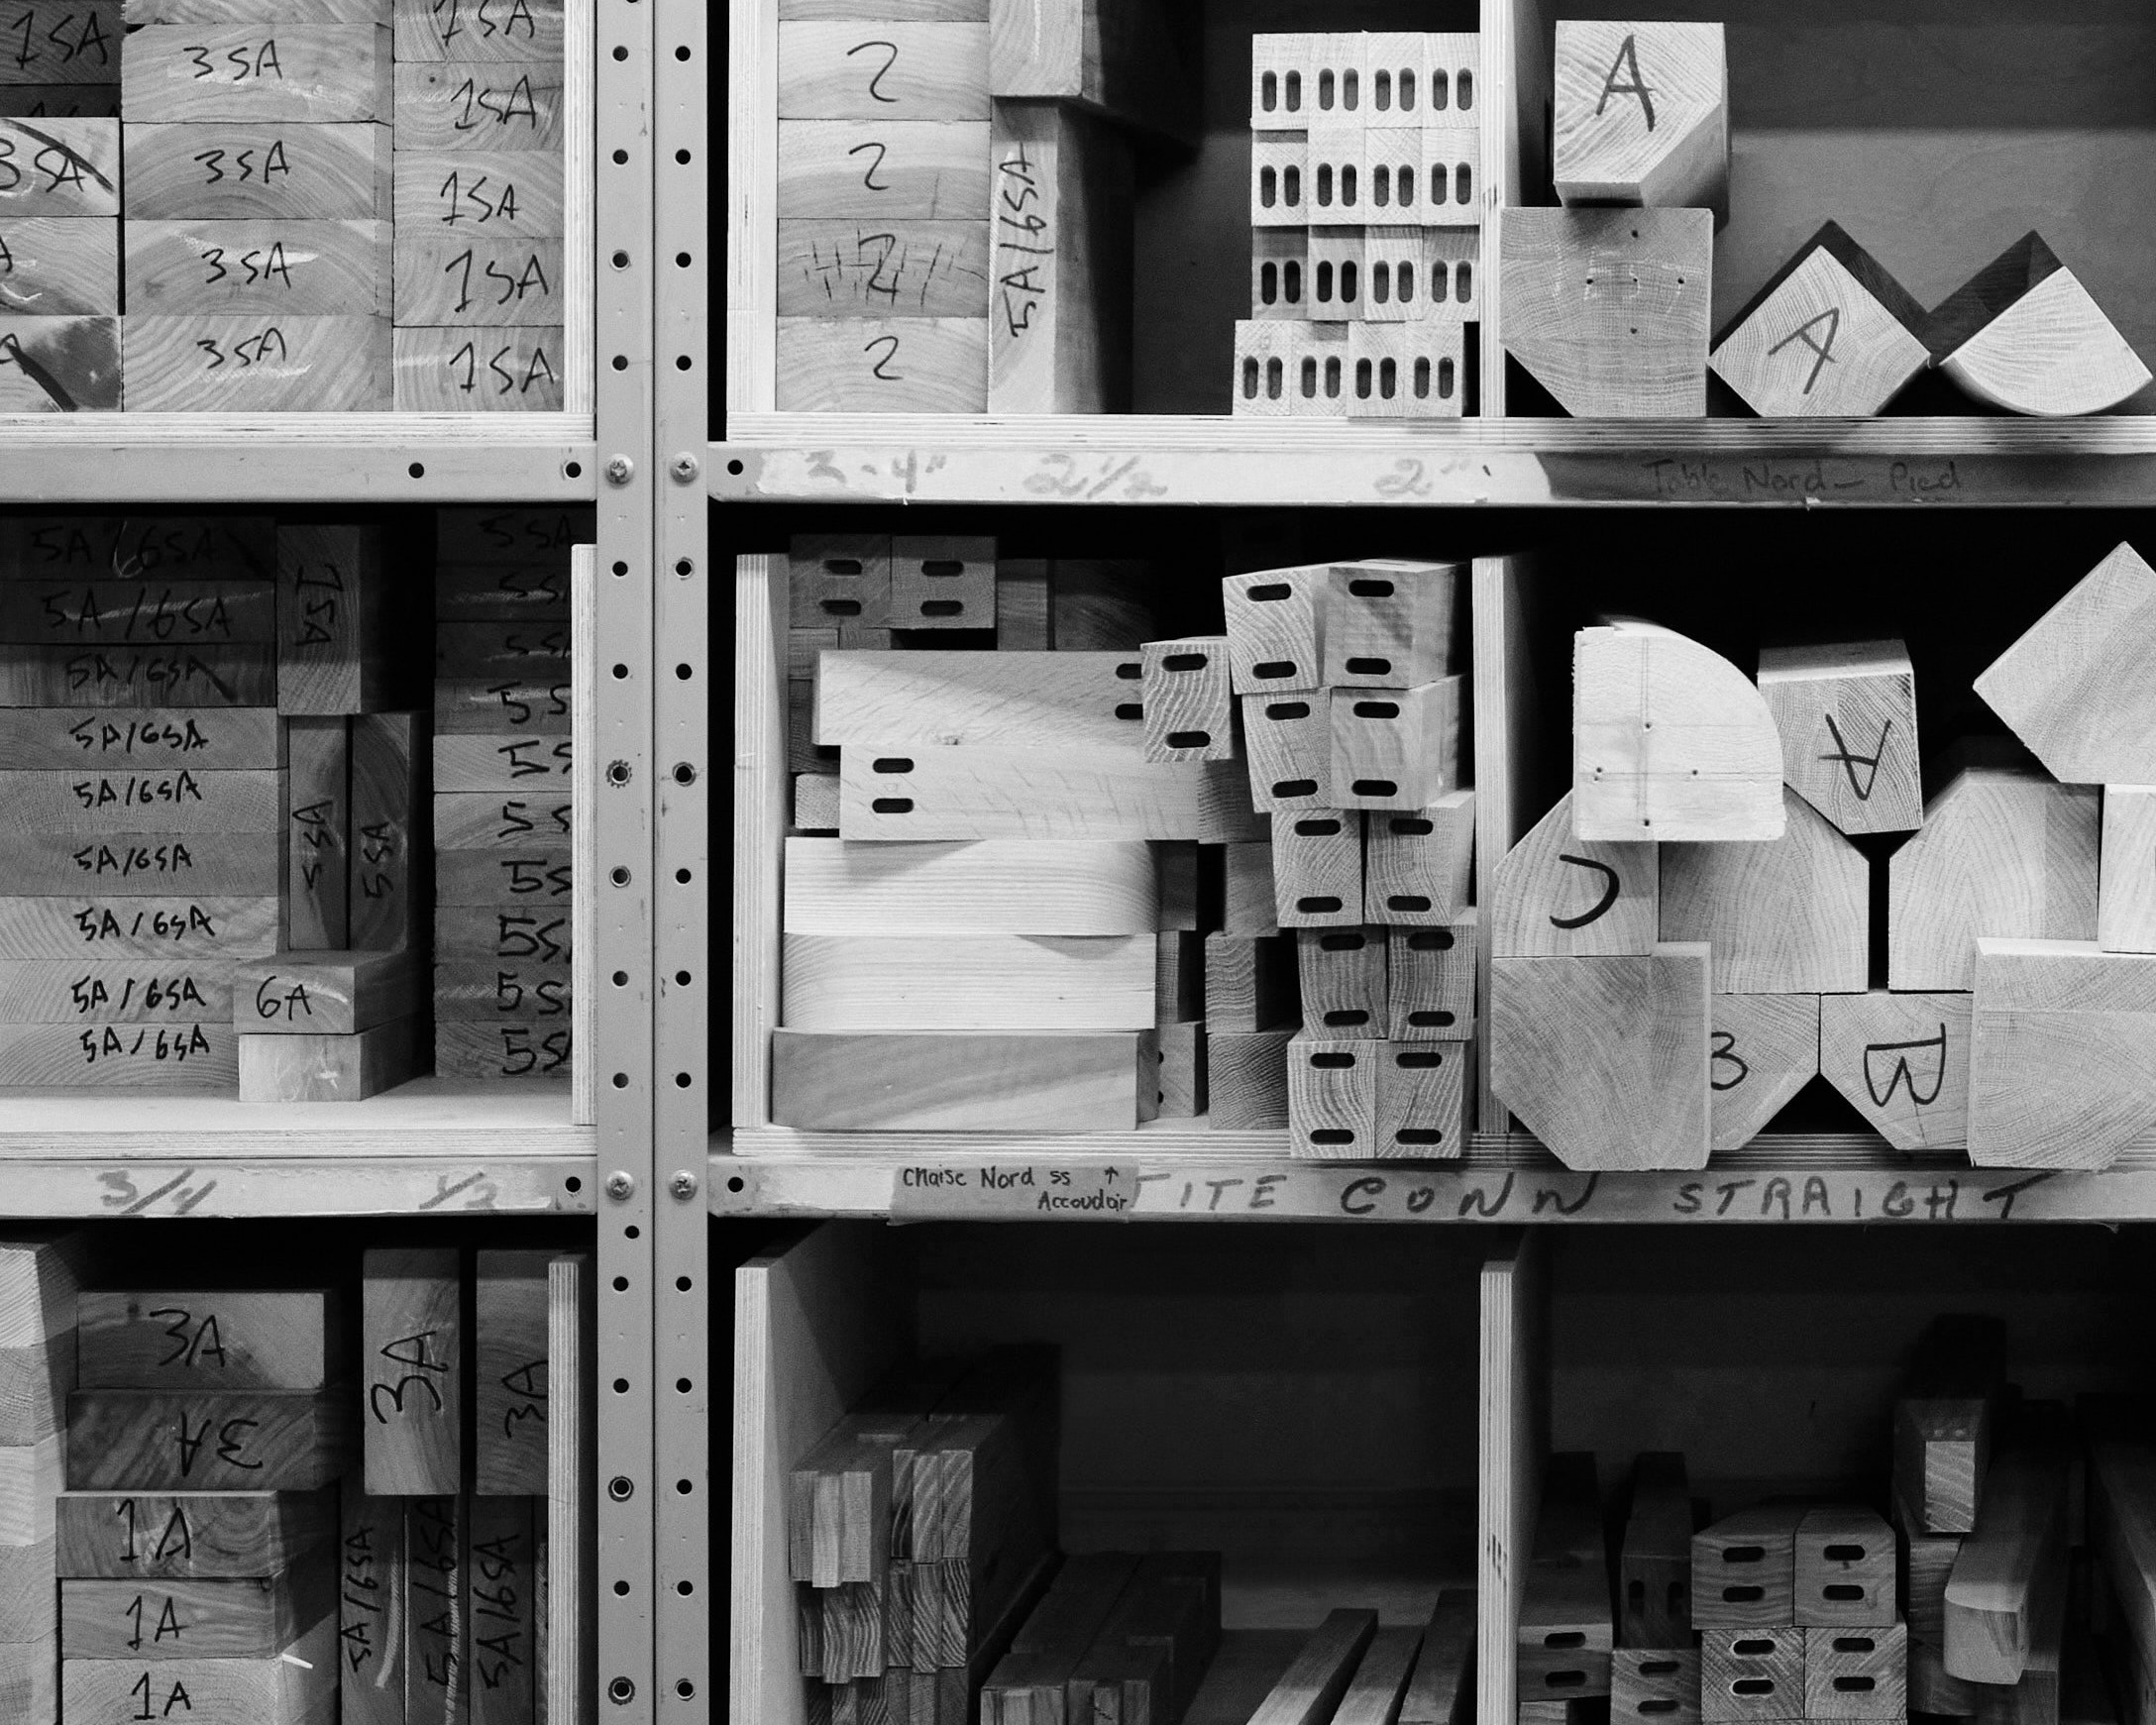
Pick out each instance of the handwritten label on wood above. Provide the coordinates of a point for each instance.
(1014, 1189)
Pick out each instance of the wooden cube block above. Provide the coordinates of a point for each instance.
(1452, 165)
(1744, 1569)
(1391, 624)
(60, 166)
(1266, 351)
(1249, 983)
(1332, 1097)
(816, 802)
(231, 1340)
(502, 105)
(1453, 263)
(1408, 370)
(294, 1682)
(59, 266)
(1830, 333)
(1289, 739)
(297, 994)
(252, 171)
(492, 282)
(1430, 976)
(1247, 1080)
(1418, 867)
(316, 1067)
(1755, 1672)
(1856, 1673)
(1642, 115)
(260, 363)
(1277, 190)
(1279, 273)
(154, 1440)
(1847, 714)
(871, 171)
(1845, 1567)
(503, 192)
(1275, 620)
(1654, 1685)
(295, 72)
(837, 70)
(892, 365)
(1396, 748)
(1316, 870)
(467, 370)
(1335, 273)
(1190, 711)
(1342, 976)
(60, 364)
(1425, 1092)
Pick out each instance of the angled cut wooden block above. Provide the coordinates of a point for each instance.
(993, 790)
(2023, 333)
(968, 982)
(2062, 1055)
(1763, 1049)
(2003, 852)
(1609, 309)
(1006, 886)
(1557, 896)
(1902, 1062)
(1670, 740)
(1642, 115)
(2078, 688)
(1831, 333)
(877, 700)
(1847, 717)
(1606, 1058)
(1784, 915)
(958, 1081)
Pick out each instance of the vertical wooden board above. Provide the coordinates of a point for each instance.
(1902, 1061)
(60, 364)
(1317, 869)
(501, 1593)
(1512, 1437)
(389, 808)
(332, 619)
(569, 1570)
(497, 1052)
(464, 371)
(287, 71)
(270, 269)
(318, 833)
(66, 166)
(477, 30)
(437, 1622)
(257, 365)
(1506, 727)
(480, 192)
(58, 267)
(511, 105)
(759, 836)
(269, 1439)
(371, 1607)
(893, 364)
(2127, 883)
(236, 171)
(195, 1057)
(510, 1380)
(584, 841)
(413, 1367)
(63, 42)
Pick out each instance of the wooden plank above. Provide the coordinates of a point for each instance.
(532, 874)
(257, 172)
(569, 1694)
(1341, 973)
(2023, 333)
(143, 864)
(125, 547)
(59, 266)
(193, 1441)
(894, 1080)
(1311, 1688)
(856, 267)
(509, 1373)
(1830, 333)
(1418, 865)
(487, 30)
(922, 697)
(1902, 1061)
(968, 982)
(298, 1682)
(60, 364)
(507, 105)
(501, 1051)
(372, 1607)
(493, 820)
(60, 166)
(1512, 1401)
(263, 268)
(389, 826)
(460, 370)
(2010, 1572)
(1430, 982)
(1831, 704)
(262, 363)
(1844, 1568)
(143, 1338)
(437, 1624)
(482, 191)
(887, 365)
(117, 929)
(148, 611)
(189, 1056)
(1762, 1051)
(501, 1592)
(1670, 741)
(304, 71)
(500, 592)
(1333, 1096)
(1554, 894)
(1606, 1058)
(163, 1621)
(67, 41)
(318, 833)
(533, 538)
(498, 993)
(497, 763)
(490, 282)
(66, 738)
(238, 675)
(492, 931)
(1642, 115)
(997, 792)
(1425, 1092)
(1440, 1689)
(1744, 1571)
(1064, 887)
(412, 1350)
(883, 171)
(191, 1535)
(1783, 915)
(1851, 1669)
(96, 804)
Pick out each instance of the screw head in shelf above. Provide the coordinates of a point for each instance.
(686, 469)
(619, 470)
(621, 1185)
(683, 1184)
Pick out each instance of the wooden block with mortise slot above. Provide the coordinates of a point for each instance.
(1341, 973)
(1763, 1049)
(1006, 885)
(389, 826)
(529, 764)
(259, 171)
(510, 1380)
(260, 364)
(231, 1340)
(538, 704)
(468, 370)
(1392, 624)
(1784, 915)
(1751, 1673)
(1565, 1632)
(58, 267)
(924, 695)
(1556, 894)
(489, 284)
(1847, 717)
(159, 1622)
(993, 790)
(502, 105)
(942, 582)
(1831, 333)
(1430, 982)
(1654, 1686)
(968, 982)
(271, 270)
(1858, 1672)
(62, 166)
(888, 364)
(1844, 1568)
(1247, 1079)
(152, 1440)
(289, 71)
(1333, 1096)
(845, 267)
(1744, 1569)
(1309, 1689)
(1289, 741)
(60, 364)
(411, 1370)
(1417, 864)
(1902, 1061)
(2062, 1060)
(1655, 1557)
(1396, 749)
(539, 936)
(957, 1081)
(192, 1535)
(464, 31)
(840, 581)
(300, 994)
(494, 191)
(1189, 710)
(436, 1630)
(1275, 621)
(1425, 1091)
(1642, 115)
(1317, 869)
(1637, 353)
(1250, 982)
(2024, 334)
(318, 1067)
(294, 1682)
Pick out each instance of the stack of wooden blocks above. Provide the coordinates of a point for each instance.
(1139, 1631)
(60, 240)
(198, 1569)
(282, 307)
(1350, 679)
(1352, 1672)
(503, 936)
(140, 742)
(38, 1317)
(1365, 216)
(919, 1531)
(481, 284)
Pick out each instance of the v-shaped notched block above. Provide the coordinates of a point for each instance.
(2024, 334)
(1831, 334)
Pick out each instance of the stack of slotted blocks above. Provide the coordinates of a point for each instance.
(336, 1014)
(1365, 198)
(258, 242)
(142, 753)
(197, 1563)
(59, 256)
(503, 876)
(1351, 685)
(479, 181)
(38, 1307)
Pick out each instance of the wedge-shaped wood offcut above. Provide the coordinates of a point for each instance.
(1642, 115)
(968, 982)
(1751, 1673)
(1943, 1431)
(1763, 1049)
(2063, 1053)
(991, 886)
(1670, 741)
(923, 696)
(1847, 716)
(2023, 333)
(1902, 1062)
(1310, 1688)
(2127, 888)
(1276, 628)
(1784, 915)
(1606, 1058)
(1845, 1566)
(1830, 333)
(1744, 1569)
(2011, 1569)
(999, 792)
(1041, 1081)
(1607, 309)
(2002, 851)
(1557, 896)
(2078, 688)
(1418, 865)
(1190, 710)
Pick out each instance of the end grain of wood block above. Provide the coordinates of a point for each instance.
(62, 167)
(502, 1052)
(271, 270)
(59, 266)
(532, 765)
(1751, 1673)
(1275, 620)
(253, 170)
(190, 1058)
(893, 364)
(265, 364)
(1425, 1091)
(1392, 625)
(1762, 1049)
(1190, 713)
(1642, 115)
(2127, 890)
(1309, 1690)
(1008, 886)
(857, 267)
(498, 193)
(488, 371)
(815, 804)
(1844, 1568)
(1557, 896)
(211, 1620)
(290, 71)
(839, 70)
(186, 1535)
(144, 1440)
(60, 364)
(452, 280)
(1247, 903)
(1831, 333)
(316, 1067)
(1289, 741)
(2023, 333)
(1407, 370)
(67, 41)
(513, 105)
(1333, 1096)
(1902, 1061)
(1396, 749)
(1847, 716)
(1250, 982)
(489, 30)
(1342, 977)
(1856, 1673)
(1430, 982)
(1744, 1569)
(942, 582)
(327, 993)
(1654, 1686)
(1247, 1079)
(883, 171)
(1317, 868)
(118, 930)
(229, 1340)
(1419, 865)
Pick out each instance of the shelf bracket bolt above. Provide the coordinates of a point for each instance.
(621, 1691)
(686, 469)
(621, 1185)
(683, 1185)
(619, 470)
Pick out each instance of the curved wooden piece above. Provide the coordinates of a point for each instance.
(2023, 333)
(1670, 741)
(1557, 896)
(1784, 915)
